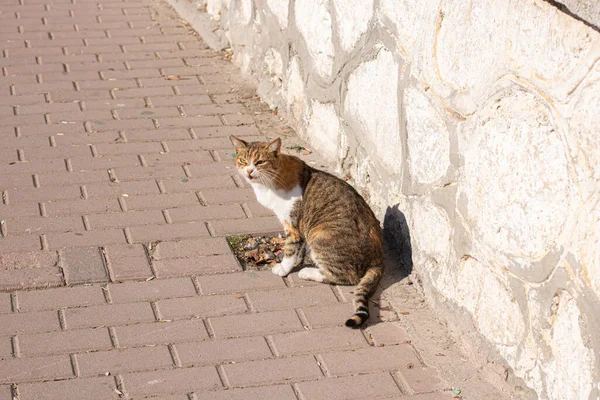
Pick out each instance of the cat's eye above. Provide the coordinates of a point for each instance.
(242, 160)
(259, 162)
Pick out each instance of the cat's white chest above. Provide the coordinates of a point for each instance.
(281, 202)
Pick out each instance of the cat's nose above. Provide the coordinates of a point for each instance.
(249, 171)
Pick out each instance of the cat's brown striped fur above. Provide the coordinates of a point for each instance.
(344, 237)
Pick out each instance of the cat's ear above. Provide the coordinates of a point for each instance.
(238, 143)
(275, 146)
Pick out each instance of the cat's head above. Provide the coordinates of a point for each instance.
(257, 162)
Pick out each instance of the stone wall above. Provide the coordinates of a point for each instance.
(480, 123)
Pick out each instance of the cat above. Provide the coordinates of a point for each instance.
(320, 211)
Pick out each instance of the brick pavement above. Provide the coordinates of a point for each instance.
(116, 281)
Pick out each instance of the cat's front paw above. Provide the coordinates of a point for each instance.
(278, 269)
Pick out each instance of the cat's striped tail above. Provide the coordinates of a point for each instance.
(365, 288)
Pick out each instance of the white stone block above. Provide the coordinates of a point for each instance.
(372, 100)
(569, 374)
(516, 176)
(352, 20)
(280, 9)
(314, 23)
(428, 140)
(324, 129)
(294, 90)
(499, 317)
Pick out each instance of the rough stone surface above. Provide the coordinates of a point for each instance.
(324, 128)
(428, 139)
(372, 87)
(472, 131)
(280, 9)
(515, 205)
(353, 18)
(313, 21)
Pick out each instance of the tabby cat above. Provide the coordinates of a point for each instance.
(320, 211)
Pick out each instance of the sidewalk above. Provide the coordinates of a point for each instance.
(118, 189)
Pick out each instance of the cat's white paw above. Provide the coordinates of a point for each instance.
(311, 274)
(278, 269)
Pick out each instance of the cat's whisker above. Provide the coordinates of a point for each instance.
(274, 178)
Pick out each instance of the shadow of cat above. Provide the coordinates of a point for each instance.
(397, 252)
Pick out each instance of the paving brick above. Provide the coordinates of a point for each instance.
(202, 213)
(64, 342)
(104, 162)
(380, 385)
(44, 194)
(30, 278)
(140, 173)
(238, 119)
(19, 243)
(196, 266)
(91, 238)
(52, 299)
(120, 251)
(110, 189)
(202, 306)
(235, 283)
(273, 371)
(180, 158)
(29, 259)
(161, 201)
(161, 332)
(371, 359)
(84, 389)
(156, 289)
(5, 303)
(223, 351)
(35, 368)
(251, 225)
(318, 340)
(191, 248)
(223, 196)
(258, 210)
(255, 324)
(19, 210)
(292, 298)
(211, 109)
(157, 135)
(16, 182)
(6, 392)
(125, 219)
(196, 184)
(160, 112)
(213, 169)
(124, 360)
(6, 350)
(200, 121)
(113, 104)
(423, 380)
(328, 315)
(143, 92)
(114, 125)
(108, 315)
(83, 265)
(81, 206)
(226, 131)
(387, 333)
(33, 166)
(72, 178)
(169, 381)
(275, 392)
(169, 232)
(171, 100)
(39, 225)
